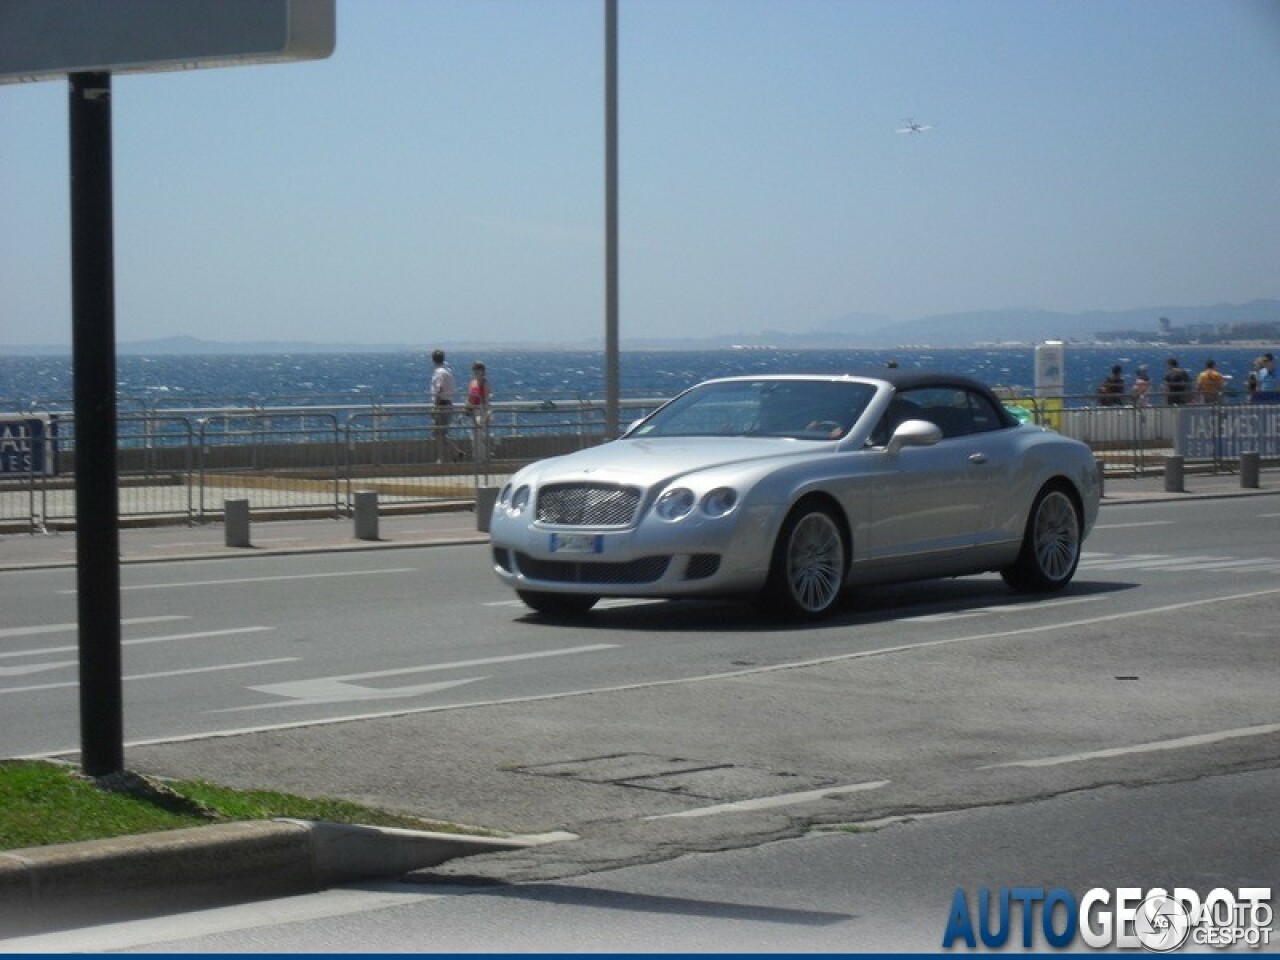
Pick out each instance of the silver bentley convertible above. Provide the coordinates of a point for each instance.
(785, 490)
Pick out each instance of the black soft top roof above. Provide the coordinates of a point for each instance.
(915, 379)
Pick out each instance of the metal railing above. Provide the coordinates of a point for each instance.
(182, 465)
(1137, 438)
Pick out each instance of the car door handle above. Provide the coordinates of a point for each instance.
(978, 458)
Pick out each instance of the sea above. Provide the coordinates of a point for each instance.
(34, 383)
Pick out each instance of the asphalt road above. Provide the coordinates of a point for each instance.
(884, 890)
(223, 645)
(658, 730)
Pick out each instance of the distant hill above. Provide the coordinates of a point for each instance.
(1033, 325)
(1015, 325)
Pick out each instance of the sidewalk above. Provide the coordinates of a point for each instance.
(456, 526)
(153, 544)
(209, 861)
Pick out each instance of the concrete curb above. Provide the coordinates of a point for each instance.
(75, 884)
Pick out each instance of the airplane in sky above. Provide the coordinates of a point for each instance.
(914, 126)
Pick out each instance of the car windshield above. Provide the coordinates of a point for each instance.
(801, 409)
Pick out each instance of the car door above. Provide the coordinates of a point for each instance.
(938, 500)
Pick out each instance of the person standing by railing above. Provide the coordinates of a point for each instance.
(1267, 380)
(443, 387)
(478, 397)
(1141, 387)
(1209, 383)
(1177, 384)
(1111, 391)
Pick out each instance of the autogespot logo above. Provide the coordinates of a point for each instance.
(1127, 918)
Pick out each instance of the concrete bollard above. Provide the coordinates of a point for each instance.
(486, 497)
(1249, 470)
(235, 515)
(366, 514)
(1173, 482)
(1102, 477)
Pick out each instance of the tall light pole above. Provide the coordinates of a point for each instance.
(611, 366)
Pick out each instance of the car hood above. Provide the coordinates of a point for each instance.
(646, 461)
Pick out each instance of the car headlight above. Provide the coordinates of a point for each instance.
(719, 501)
(504, 495)
(520, 499)
(675, 503)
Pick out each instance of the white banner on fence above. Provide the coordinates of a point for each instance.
(1225, 432)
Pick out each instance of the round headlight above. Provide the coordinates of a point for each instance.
(675, 503)
(520, 500)
(504, 495)
(719, 501)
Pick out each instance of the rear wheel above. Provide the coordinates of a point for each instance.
(557, 604)
(807, 572)
(1050, 546)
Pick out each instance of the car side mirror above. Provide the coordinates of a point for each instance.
(914, 433)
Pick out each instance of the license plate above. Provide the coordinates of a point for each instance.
(577, 543)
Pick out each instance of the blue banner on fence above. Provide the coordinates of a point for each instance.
(1225, 432)
(28, 445)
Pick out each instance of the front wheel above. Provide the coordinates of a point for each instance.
(1050, 546)
(808, 566)
(557, 604)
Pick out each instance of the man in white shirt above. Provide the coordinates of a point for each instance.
(443, 387)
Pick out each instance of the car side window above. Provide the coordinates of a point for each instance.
(901, 409)
(956, 411)
(985, 416)
(946, 407)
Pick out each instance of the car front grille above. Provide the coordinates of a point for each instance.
(587, 504)
(642, 570)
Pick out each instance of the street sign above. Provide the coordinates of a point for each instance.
(28, 444)
(48, 39)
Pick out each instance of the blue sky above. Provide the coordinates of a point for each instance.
(440, 178)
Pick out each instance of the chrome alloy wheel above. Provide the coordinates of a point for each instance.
(814, 563)
(1056, 539)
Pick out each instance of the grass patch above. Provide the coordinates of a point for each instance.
(43, 803)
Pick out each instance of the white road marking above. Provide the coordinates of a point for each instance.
(1144, 523)
(308, 693)
(611, 603)
(1179, 564)
(1178, 743)
(769, 803)
(36, 668)
(129, 934)
(343, 688)
(1095, 560)
(71, 627)
(216, 668)
(1222, 565)
(1149, 562)
(1012, 607)
(681, 681)
(141, 640)
(280, 577)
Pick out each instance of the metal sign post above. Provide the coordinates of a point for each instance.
(93, 363)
